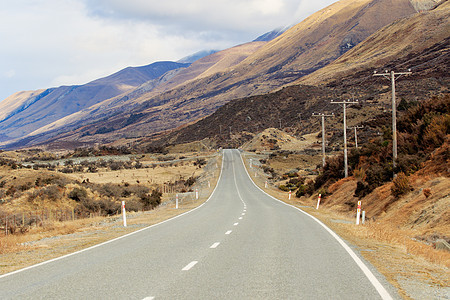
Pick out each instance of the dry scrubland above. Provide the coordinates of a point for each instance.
(399, 234)
(43, 239)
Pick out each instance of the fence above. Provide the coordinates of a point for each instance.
(11, 223)
(203, 185)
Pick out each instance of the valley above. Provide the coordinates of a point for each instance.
(189, 144)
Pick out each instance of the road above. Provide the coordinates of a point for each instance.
(241, 244)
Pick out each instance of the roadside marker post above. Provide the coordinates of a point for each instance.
(318, 201)
(265, 185)
(196, 194)
(358, 212)
(176, 201)
(363, 218)
(290, 192)
(124, 214)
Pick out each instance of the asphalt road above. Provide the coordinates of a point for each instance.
(241, 244)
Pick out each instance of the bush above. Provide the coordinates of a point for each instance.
(151, 201)
(401, 185)
(78, 194)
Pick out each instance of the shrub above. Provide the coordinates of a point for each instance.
(78, 194)
(152, 200)
(401, 185)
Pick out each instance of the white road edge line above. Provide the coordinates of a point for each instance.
(228, 232)
(190, 265)
(213, 246)
(120, 237)
(378, 286)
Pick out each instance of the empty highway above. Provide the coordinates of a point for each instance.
(241, 244)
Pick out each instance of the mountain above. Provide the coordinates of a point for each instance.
(252, 69)
(196, 56)
(420, 42)
(406, 37)
(268, 36)
(24, 112)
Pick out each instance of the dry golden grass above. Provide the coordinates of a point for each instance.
(59, 238)
(158, 175)
(386, 242)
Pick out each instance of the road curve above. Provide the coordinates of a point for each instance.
(241, 244)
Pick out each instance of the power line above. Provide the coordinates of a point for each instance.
(323, 133)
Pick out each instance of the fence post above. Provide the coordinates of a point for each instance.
(124, 214)
(318, 201)
(358, 212)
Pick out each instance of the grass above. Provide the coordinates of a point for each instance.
(59, 238)
(391, 248)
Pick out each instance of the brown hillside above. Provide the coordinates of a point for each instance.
(395, 41)
(306, 47)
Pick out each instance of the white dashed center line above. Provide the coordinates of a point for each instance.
(240, 218)
(235, 224)
(214, 245)
(148, 298)
(190, 265)
(228, 232)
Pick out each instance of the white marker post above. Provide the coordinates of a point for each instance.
(196, 194)
(124, 214)
(209, 184)
(176, 201)
(265, 185)
(363, 218)
(358, 212)
(290, 192)
(318, 201)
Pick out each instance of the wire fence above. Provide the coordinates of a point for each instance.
(202, 187)
(22, 221)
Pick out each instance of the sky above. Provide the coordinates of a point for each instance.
(49, 43)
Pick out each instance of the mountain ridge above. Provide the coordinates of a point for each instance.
(332, 31)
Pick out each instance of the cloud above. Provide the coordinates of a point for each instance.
(48, 43)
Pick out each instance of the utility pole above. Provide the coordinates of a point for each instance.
(356, 137)
(344, 104)
(392, 76)
(323, 133)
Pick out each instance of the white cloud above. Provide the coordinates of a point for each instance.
(54, 42)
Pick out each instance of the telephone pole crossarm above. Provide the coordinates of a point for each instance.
(323, 133)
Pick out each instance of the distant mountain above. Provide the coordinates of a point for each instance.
(268, 36)
(186, 95)
(24, 112)
(196, 56)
